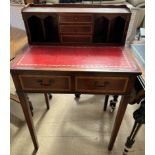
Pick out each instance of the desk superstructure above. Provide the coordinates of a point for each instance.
(67, 54)
(76, 24)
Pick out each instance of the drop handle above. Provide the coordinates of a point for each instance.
(101, 84)
(49, 83)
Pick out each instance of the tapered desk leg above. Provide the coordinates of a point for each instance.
(27, 113)
(118, 120)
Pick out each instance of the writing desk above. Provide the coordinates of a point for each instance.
(78, 59)
(70, 69)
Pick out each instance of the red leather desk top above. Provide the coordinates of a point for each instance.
(74, 58)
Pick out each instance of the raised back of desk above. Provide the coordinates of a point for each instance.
(69, 24)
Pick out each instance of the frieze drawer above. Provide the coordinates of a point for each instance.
(76, 18)
(76, 29)
(101, 84)
(43, 82)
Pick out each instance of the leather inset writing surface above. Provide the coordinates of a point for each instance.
(75, 57)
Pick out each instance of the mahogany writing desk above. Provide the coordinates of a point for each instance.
(77, 60)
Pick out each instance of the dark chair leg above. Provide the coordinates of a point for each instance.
(47, 101)
(31, 107)
(139, 116)
(113, 103)
(77, 95)
(30, 104)
(50, 96)
(106, 102)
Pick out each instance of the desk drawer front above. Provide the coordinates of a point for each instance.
(76, 38)
(40, 82)
(75, 18)
(101, 84)
(76, 29)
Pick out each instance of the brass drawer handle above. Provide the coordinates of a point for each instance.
(45, 84)
(100, 85)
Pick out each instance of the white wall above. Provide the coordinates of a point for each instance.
(16, 17)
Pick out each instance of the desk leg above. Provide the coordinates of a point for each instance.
(118, 120)
(27, 113)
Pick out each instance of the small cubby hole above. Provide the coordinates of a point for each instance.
(100, 29)
(35, 28)
(51, 29)
(117, 30)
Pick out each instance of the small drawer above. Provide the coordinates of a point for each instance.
(43, 82)
(76, 29)
(76, 39)
(101, 84)
(75, 18)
